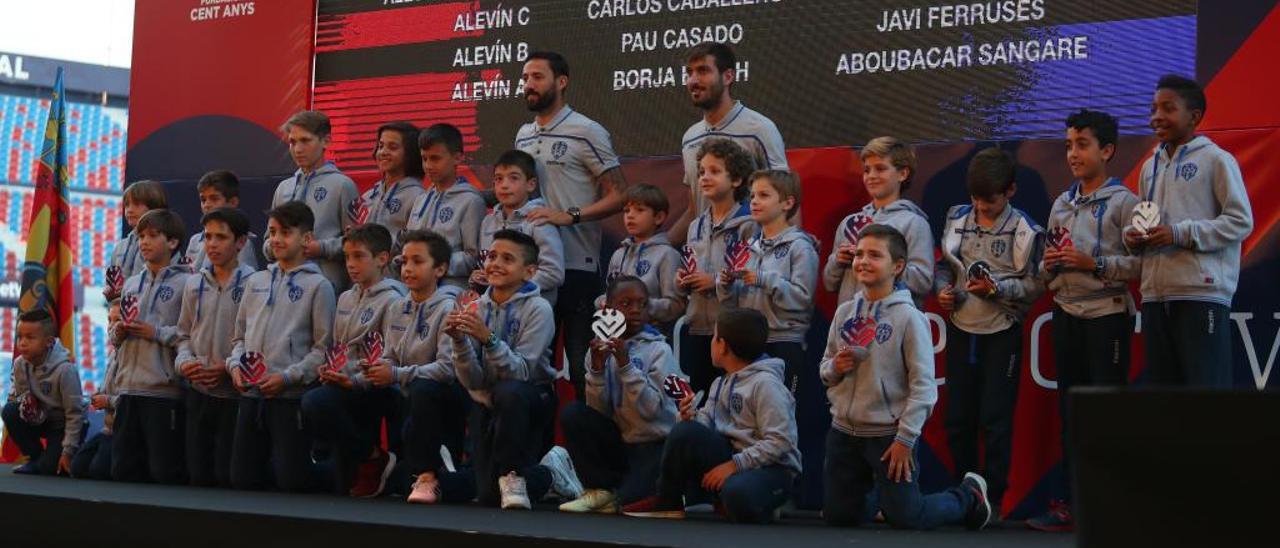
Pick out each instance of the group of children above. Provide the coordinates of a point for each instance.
(413, 308)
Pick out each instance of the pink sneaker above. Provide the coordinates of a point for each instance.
(426, 489)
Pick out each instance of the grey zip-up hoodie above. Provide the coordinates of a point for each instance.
(632, 394)
(288, 317)
(328, 191)
(455, 214)
(708, 243)
(146, 366)
(359, 312)
(786, 270)
(892, 392)
(905, 216)
(655, 261)
(127, 255)
(1012, 247)
(1095, 223)
(416, 344)
(390, 207)
(755, 410)
(208, 322)
(1202, 197)
(248, 255)
(56, 385)
(524, 326)
(550, 274)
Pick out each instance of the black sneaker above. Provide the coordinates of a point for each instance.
(980, 513)
(27, 468)
(1056, 520)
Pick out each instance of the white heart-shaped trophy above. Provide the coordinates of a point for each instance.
(610, 324)
(1146, 216)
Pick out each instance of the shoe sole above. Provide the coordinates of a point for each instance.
(382, 479)
(659, 514)
(986, 502)
(1050, 528)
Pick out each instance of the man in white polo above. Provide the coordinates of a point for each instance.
(709, 72)
(576, 164)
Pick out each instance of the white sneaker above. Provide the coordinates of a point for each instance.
(593, 500)
(564, 478)
(514, 493)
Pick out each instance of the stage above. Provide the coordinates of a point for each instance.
(65, 512)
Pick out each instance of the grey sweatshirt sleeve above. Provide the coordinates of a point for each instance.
(917, 353)
(643, 392)
(323, 305)
(919, 272)
(186, 323)
(1126, 266)
(550, 274)
(238, 337)
(833, 272)
(943, 276)
(1235, 218)
(72, 409)
(793, 292)
(519, 361)
(827, 367)
(465, 365)
(332, 247)
(594, 385)
(1026, 286)
(670, 304)
(776, 425)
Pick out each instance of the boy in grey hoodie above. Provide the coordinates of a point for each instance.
(283, 329)
(878, 368)
(323, 187)
(514, 181)
(451, 207)
(419, 361)
(782, 274)
(615, 438)
(888, 165)
(1088, 269)
(742, 443)
(346, 410)
(44, 404)
(1191, 260)
(502, 356)
(984, 337)
(220, 188)
(723, 168)
(210, 303)
(147, 440)
(647, 254)
(139, 197)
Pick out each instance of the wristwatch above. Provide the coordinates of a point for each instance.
(576, 213)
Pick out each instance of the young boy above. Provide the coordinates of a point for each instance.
(323, 187)
(220, 188)
(782, 273)
(888, 165)
(1087, 268)
(647, 254)
(451, 207)
(987, 278)
(210, 303)
(878, 368)
(147, 442)
(345, 410)
(615, 439)
(139, 198)
(515, 179)
(44, 404)
(418, 361)
(93, 460)
(742, 442)
(502, 355)
(1191, 260)
(723, 168)
(283, 329)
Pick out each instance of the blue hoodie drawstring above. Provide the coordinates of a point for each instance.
(133, 259)
(293, 196)
(271, 294)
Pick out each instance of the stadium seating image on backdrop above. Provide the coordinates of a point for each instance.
(96, 122)
(209, 88)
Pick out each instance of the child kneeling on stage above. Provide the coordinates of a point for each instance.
(742, 443)
(878, 368)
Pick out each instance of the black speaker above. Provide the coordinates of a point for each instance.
(1175, 467)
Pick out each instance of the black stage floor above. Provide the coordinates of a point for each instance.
(64, 512)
